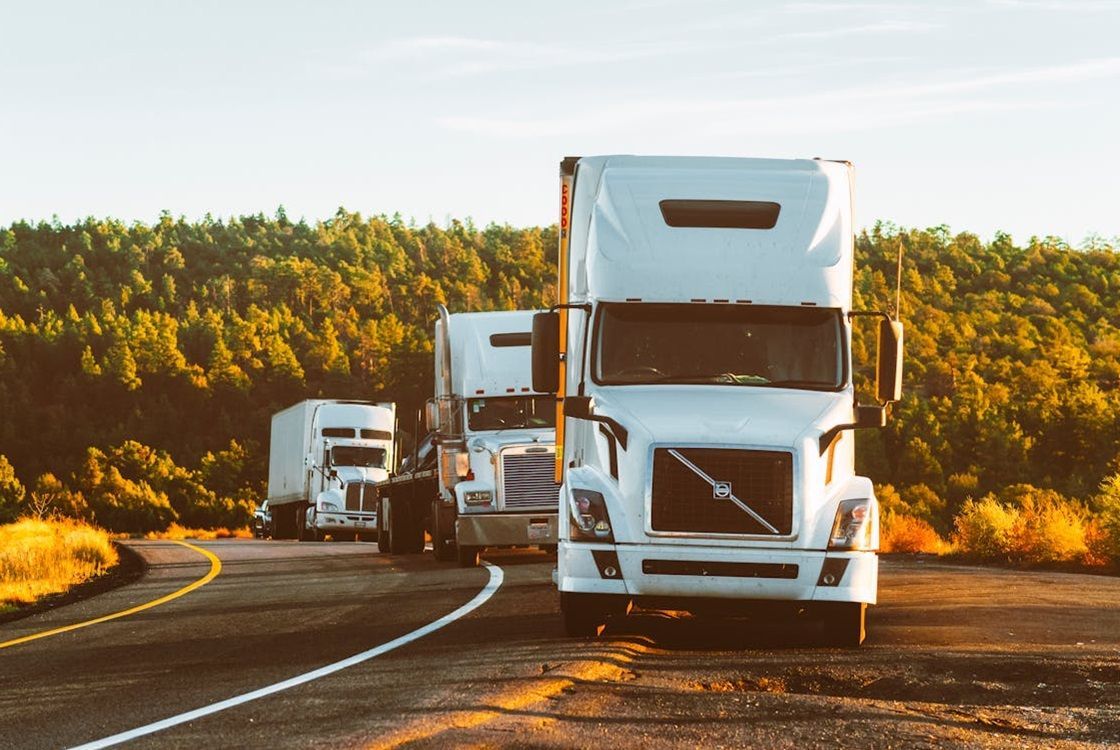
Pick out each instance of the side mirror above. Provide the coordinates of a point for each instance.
(577, 407)
(546, 352)
(871, 416)
(888, 371)
(431, 415)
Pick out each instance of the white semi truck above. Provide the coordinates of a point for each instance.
(701, 356)
(493, 482)
(324, 459)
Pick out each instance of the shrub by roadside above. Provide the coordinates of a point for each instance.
(175, 531)
(903, 533)
(1026, 525)
(1019, 525)
(42, 557)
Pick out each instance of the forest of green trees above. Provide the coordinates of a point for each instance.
(139, 364)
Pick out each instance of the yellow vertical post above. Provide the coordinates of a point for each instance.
(567, 178)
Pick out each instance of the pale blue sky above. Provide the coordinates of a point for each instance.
(981, 114)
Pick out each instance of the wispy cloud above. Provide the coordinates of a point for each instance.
(1071, 6)
(853, 108)
(844, 7)
(450, 56)
(880, 27)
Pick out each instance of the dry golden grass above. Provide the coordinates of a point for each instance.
(902, 533)
(175, 532)
(38, 558)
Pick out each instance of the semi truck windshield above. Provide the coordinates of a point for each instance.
(358, 455)
(511, 412)
(781, 347)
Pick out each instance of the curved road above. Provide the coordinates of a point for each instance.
(956, 656)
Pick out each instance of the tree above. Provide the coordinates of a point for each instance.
(11, 492)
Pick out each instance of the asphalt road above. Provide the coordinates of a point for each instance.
(955, 656)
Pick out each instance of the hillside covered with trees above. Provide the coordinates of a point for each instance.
(139, 364)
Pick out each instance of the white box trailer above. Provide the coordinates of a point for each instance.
(324, 454)
(701, 354)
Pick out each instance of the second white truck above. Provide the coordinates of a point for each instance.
(488, 480)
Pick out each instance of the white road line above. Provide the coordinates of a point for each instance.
(495, 582)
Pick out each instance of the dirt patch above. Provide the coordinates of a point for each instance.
(939, 678)
(129, 569)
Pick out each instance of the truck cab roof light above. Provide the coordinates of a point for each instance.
(744, 301)
(511, 390)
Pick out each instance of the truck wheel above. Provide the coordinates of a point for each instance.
(382, 525)
(416, 536)
(583, 617)
(398, 527)
(845, 623)
(467, 556)
(302, 532)
(443, 543)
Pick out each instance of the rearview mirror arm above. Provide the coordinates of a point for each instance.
(579, 407)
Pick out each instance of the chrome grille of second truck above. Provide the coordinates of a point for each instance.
(529, 480)
(361, 496)
(722, 491)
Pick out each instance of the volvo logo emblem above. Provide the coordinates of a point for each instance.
(721, 490)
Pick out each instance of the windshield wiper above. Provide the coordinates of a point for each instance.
(798, 384)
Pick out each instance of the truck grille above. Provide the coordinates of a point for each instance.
(684, 501)
(529, 480)
(361, 496)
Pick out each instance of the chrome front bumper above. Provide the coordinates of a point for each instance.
(506, 529)
(360, 522)
(720, 573)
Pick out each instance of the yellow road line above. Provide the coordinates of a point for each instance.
(215, 568)
(506, 702)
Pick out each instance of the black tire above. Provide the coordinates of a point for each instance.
(303, 534)
(583, 615)
(467, 556)
(397, 526)
(416, 536)
(443, 538)
(382, 526)
(844, 623)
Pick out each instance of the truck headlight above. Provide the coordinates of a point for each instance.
(477, 497)
(589, 518)
(852, 528)
(325, 506)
